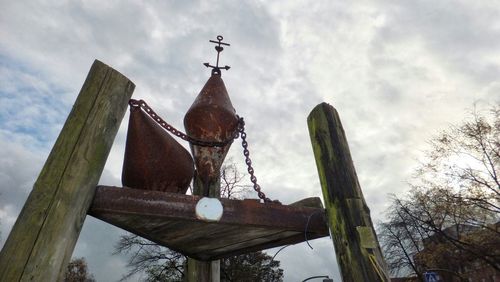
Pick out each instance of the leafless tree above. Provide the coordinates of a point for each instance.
(230, 179)
(162, 264)
(454, 196)
(77, 271)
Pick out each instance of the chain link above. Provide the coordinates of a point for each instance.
(248, 161)
(176, 132)
(239, 132)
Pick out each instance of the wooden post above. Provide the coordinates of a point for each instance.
(42, 240)
(356, 245)
(204, 271)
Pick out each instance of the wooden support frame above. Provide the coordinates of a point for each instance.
(356, 245)
(42, 240)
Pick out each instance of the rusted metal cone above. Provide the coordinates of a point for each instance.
(153, 159)
(211, 118)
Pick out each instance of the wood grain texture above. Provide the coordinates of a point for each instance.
(204, 271)
(45, 233)
(356, 245)
(170, 220)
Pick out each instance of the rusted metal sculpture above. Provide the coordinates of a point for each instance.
(211, 118)
(211, 126)
(153, 159)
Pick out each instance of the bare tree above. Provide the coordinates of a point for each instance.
(162, 264)
(466, 160)
(159, 263)
(454, 196)
(230, 180)
(401, 238)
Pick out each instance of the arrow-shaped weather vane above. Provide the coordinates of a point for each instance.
(218, 48)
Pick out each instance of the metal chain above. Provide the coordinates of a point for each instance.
(176, 132)
(248, 161)
(239, 132)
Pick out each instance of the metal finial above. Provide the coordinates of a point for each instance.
(218, 48)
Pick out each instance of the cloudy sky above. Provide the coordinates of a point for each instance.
(398, 72)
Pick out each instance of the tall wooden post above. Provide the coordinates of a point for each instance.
(204, 271)
(45, 233)
(356, 245)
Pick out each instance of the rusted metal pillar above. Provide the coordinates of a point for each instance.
(211, 118)
(212, 122)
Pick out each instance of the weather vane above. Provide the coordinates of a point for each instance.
(219, 48)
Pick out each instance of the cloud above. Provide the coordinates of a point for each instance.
(18, 169)
(397, 72)
(320, 260)
(97, 248)
(462, 41)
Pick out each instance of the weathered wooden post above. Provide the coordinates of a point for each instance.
(43, 238)
(356, 245)
(197, 270)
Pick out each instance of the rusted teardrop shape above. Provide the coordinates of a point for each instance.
(153, 159)
(211, 118)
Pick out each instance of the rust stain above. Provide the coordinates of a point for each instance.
(211, 118)
(153, 159)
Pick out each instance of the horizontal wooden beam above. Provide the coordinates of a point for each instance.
(170, 220)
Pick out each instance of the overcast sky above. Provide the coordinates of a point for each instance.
(398, 72)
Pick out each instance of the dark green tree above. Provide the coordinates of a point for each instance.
(256, 266)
